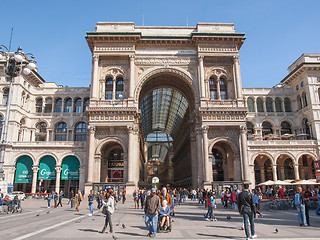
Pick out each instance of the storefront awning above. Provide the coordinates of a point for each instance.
(24, 170)
(47, 168)
(70, 168)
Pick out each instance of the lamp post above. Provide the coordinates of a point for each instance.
(15, 63)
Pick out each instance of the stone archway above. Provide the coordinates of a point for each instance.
(166, 98)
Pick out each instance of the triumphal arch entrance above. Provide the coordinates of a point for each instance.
(166, 102)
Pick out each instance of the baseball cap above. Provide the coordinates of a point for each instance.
(153, 190)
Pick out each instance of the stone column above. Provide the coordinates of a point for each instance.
(296, 171)
(94, 81)
(194, 166)
(207, 168)
(199, 157)
(92, 131)
(35, 170)
(133, 158)
(274, 172)
(131, 88)
(244, 156)
(202, 87)
(58, 176)
(282, 173)
(218, 90)
(238, 76)
(262, 174)
(82, 177)
(170, 168)
(103, 89)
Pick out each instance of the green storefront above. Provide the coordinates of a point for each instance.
(23, 175)
(47, 174)
(70, 174)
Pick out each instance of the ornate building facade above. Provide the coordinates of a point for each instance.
(165, 102)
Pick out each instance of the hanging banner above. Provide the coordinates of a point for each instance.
(47, 168)
(24, 170)
(70, 168)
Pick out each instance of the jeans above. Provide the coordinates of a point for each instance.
(318, 209)
(91, 206)
(151, 222)
(194, 198)
(233, 205)
(301, 208)
(108, 221)
(248, 217)
(209, 213)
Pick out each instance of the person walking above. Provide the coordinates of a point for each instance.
(151, 210)
(124, 196)
(60, 199)
(300, 206)
(90, 201)
(78, 199)
(142, 197)
(247, 209)
(307, 195)
(49, 197)
(108, 210)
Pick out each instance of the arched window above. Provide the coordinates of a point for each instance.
(109, 88)
(223, 89)
(60, 132)
(304, 99)
(41, 131)
(250, 130)
(77, 105)
(1, 126)
(86, 104)
(217, 165)
(288, 169)
(119, 88)
(80, 132)
(5, 96)
(278, 103)
(299, 102)
(250, 104)
(67, 105)
(269, 104)
(213, 89)
(260, 105)
(58, 105)
(48, 105)
(39, 103)
(266, 128)
(287, 105)
(285, 128)
(268, 170)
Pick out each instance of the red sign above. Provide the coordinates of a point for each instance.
(41, 179)
(316, 165)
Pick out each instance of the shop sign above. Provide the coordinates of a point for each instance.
(115, 164)
(24, 170)
(70, 168)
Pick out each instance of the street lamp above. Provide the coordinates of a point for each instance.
(15, 63)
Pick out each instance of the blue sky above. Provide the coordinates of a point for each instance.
(277, 31)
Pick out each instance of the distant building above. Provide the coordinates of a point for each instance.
(165, 102)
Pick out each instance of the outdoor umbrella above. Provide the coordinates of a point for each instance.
(267, 183)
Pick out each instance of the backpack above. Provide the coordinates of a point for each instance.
(297, 199)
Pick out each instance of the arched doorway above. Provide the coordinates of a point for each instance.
(166, 101)
(262, 169)
(223, 162)
(306, 167)
(285, 167)
(47, 174)
(23, 174)
(70, 174)
(112, 164)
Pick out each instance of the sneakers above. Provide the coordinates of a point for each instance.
(254, 236)
(207, 219)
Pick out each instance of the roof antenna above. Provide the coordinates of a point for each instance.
(10, 39)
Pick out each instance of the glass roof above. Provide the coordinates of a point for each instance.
(162, 111)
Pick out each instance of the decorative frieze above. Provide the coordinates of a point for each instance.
(215, 49)
(165, 61)
(125, 48)
(223, 114)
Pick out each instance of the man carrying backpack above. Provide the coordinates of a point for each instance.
(300, 206)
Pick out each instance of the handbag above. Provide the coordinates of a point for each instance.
(104, 210)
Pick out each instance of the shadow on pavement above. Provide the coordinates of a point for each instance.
(218, 236)
(89, 230)
(133, 234)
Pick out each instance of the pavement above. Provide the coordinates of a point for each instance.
(38, 222)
